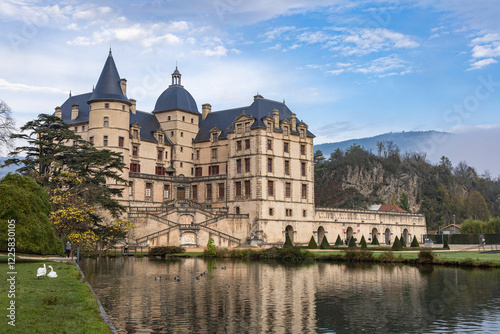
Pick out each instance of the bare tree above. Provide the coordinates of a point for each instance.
(7, 126)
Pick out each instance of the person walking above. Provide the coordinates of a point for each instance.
(67, 248)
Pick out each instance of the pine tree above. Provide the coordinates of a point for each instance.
(414, 243)
(375, 241)
(324, 243)
(396, 246)
(312, 243)
(362, 243)
(338, 242)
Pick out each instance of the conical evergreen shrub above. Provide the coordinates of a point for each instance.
(312, 243)
(362, 243)
(396, 246)
(352, 243)
(403, 241)
(338, 242)
(375, 241)
(414, 243)
(445, 243)
(288, 242)
(324, 243)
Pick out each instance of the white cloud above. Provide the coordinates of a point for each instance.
(20, 87)
(336, 72)
(482, 63)
(276, 33)
(366, 41)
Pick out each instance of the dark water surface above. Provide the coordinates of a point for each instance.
(258, 297)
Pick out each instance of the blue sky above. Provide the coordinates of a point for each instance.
(349, 69)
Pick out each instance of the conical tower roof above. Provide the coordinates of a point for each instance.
(108, 87)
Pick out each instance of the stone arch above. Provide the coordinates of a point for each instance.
(186, 219)
(374, 233)
(289, 231)
(349, 234)
(387, 236)
(406, 236)
(321, 234)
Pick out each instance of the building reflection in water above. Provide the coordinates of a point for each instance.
(259, 297)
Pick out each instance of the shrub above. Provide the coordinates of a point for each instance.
(414, 243)
(362, 243)
(402, 240)
(338, 242)
(375, 241)
(358, 256)
(324, 243)
(288, 242)
(286, 254)
(352, 243)
(426, 256)
(211, 248)
(312, 243)
(387, 257)
(396, 246)
(445, 243)
(163, 251)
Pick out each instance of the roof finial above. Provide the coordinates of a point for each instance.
(110, 50)
(70, 93)
(283, 100)
(93, 87)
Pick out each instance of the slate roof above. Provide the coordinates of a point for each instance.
(148, 121)
(259, 109)
(176, 97)
(108, 86)
(83, 108)
(149, 124)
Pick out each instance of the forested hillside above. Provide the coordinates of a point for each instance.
(356, 178)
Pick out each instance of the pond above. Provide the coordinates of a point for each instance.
(262, 297)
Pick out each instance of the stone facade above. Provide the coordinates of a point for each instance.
(241, 176)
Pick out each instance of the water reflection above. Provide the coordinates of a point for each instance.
(257, 297)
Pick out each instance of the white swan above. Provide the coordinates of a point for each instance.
(52, 273)
(42, 271)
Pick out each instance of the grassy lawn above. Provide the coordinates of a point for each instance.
(49, 305)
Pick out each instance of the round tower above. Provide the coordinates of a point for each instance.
(109, 115)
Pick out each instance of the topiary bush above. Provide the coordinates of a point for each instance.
(338, 242)
(375, 241)
(352, 243)
(396, 246)
(288, 242)
(211, 248)
(403, 241)
(312, 243)
(414, 243)
(362, 243)
(445, 243)
(324, 243)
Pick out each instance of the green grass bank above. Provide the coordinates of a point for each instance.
(49, 305)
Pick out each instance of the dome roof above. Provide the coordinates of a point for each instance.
(176, 97)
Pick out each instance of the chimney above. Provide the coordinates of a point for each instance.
(123, 84)
(205, 110)
(133, 106)
(74, 111)
(276, 118)
(293, 119)
(58, 112)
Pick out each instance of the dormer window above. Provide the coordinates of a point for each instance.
(247, 126)
(160, 138)
(214, 137)
(268, 127)
(136, 134)
(239, 128)
(285, 130)
(302, 133)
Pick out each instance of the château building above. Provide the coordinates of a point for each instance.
(241, 176)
